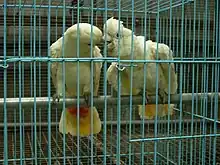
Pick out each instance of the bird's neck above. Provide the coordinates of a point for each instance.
(71, 50)
(137, 53)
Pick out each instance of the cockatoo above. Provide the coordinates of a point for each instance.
(68, 120)
(111, 34)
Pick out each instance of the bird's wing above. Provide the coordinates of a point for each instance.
(55, 52)
(97, 70)
(165, 53)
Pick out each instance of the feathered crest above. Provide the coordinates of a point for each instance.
(112, 25)
(113, 19)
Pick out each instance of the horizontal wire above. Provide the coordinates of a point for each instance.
(95, 8)
(111, 101)
(173, 138)
(123, 122)
(46, 59)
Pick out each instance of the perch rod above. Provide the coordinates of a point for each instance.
(99, 101)
(137, 122)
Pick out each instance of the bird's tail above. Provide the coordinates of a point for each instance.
(68, 123)
(149, 111)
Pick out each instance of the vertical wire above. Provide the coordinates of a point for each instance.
(162, 36)
(201, 103)
(105, 89)
(184, 52)
(39, 77)
(212, 89)
(175, 157)
(217, 49)
(131, 84)
(48, 83)
(169, 80)
(193, 82)
(15, 89)
(20, 107)
(118, 156)
(130, 147)
(157, 83)
(56, 38)
(144, 85)
(175, 37)
(149, 26)
(205, 82)
(177, 70)
(162, 33)
(64, 76)
(35, 106)
(209, 67)
(78, 73)
(22, 74)
(212, 86)
(91, 81)
(187, 54)
(131, 75)
(166, 29)
(5, 88)
(31, 86)
(181, 80)
(197, 85)
(184, 78)
(188, 84)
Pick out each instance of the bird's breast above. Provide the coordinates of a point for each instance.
(72, 77)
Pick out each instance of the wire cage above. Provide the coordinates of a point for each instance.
(29, 134)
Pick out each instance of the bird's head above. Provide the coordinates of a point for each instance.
(86, 33)
(117, 37)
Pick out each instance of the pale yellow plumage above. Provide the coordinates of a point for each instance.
(68, 120)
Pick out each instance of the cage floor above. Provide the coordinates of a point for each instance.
(21, 149)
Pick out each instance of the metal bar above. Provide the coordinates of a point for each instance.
(45, 124)
(87, 8)
(98, 101)
(5, 89)
(46, 59)
(173, 137)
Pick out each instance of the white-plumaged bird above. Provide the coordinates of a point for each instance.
(68, 120)
(112, 34)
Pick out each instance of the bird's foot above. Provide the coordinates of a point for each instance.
(56, 97)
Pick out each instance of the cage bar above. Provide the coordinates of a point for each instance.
(111, 101)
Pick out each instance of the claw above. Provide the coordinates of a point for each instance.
(146, 97)
(120, 67)
(56, 97)
(89, 138)
(87, 98)
(162, 95)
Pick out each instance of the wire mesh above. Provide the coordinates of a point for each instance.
(31, 136)
(164, 156)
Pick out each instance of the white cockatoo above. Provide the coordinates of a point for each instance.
(68, 123)
(111, 34)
